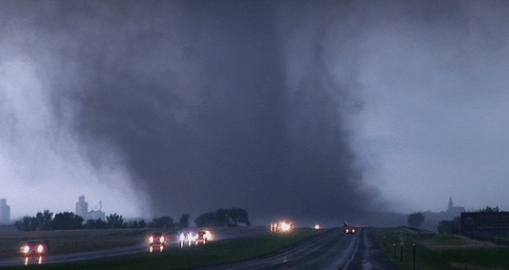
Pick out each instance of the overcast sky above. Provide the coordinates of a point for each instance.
(313, 110)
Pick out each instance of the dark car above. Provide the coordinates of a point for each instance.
(350, 230)
(157, 241)
(34, 250)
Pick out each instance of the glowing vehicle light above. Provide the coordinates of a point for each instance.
(282, 226)
(182, 237)
(317, 226)
(156, 240)
(285, 226)
(33, 251)
(207, 235)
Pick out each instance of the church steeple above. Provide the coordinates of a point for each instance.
(451, 205)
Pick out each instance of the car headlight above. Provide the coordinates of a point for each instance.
(151, 239)
(182, 237)
(40, 249)
(25, 249)
(353, 230)
(161, 239)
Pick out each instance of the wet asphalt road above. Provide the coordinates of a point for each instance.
(330, 251)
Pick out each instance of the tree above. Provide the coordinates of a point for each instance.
(115, 221)
(96, 224)
(44, 220)
(162, 223)
(416, 219)
(183, 222)
(41, 221)
(207, 220)
(137, 224)
(238, 215)
(67, 221)
(490, 209)
(142, 224)
(223, 218)
(450, 226)
(26, 224)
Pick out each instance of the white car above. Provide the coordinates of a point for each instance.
(190, 238)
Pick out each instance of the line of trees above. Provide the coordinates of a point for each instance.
(233, 217)
(415, 220)
(44, 221)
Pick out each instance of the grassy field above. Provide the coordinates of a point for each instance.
(196, 256)
(435, 251)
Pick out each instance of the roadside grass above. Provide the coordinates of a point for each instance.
(435, 251)
(213, 253)
(71, 240)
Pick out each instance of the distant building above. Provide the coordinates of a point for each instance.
(95, 215)
(475, 223)
(81, 207)
(5, 212)
(82, 210)
(431, 219)
(454, 211)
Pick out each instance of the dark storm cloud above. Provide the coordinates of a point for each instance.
(199, 102)
(293, 108)
(193, 98)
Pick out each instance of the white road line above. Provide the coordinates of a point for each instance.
(335, 265)
(353, 254)
(366, 262)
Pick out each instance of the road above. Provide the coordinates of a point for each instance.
(120, 251)
(330, 251)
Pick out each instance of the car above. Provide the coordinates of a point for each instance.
(281, 226)
(350, 230)
(34, 250)
(196, 237)
(202, 237)
(186, 237)
(157, 240)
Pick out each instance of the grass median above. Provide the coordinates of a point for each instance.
(213, 253)
(435, 251)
